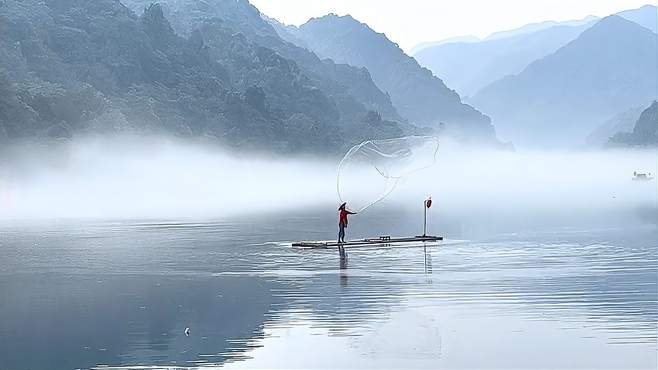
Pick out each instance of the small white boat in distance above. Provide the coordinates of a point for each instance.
(638, 176)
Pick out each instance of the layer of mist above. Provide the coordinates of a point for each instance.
(165, 179)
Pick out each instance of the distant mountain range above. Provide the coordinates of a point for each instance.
(467, 67)
(536, 27)
(528, 28)
(559, 99)
(645, 131)
(468, 64)
(416, 94)
(223, 71)
(541, 76)
(457, 39)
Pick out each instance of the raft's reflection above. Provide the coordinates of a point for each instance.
(428, 264)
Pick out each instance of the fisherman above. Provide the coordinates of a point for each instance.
(342, 221)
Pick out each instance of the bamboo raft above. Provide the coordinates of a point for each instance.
(382, 240)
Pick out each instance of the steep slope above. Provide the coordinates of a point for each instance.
(352, 86)
(75, 66)
(645, 131)
(621, 122)
(416, 93)
(558, 100)
(646, 16)
(468, 67)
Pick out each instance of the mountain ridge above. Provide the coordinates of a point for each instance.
(415, 92)
(469, 67)
(609, 67)
(340, 81)
(646, 16)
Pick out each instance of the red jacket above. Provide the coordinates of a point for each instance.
(342, 218)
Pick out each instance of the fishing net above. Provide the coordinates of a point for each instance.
(370, 171)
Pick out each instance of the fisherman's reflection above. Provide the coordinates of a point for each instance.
(343, 266)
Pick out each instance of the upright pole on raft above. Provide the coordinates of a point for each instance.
(427, 203)
(425, 218)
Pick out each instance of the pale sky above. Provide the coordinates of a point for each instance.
(410, 22)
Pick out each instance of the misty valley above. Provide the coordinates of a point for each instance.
(231, 184)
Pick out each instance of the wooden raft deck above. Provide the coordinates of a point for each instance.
(382, 240)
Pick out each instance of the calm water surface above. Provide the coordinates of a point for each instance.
(121, 294)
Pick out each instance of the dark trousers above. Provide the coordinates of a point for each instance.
(341, 232)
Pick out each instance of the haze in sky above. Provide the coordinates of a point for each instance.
(411, 22)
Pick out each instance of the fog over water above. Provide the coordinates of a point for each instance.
(163, 178)
(171, 173)
(115, 247)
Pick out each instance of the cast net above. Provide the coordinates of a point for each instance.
(369, 172)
